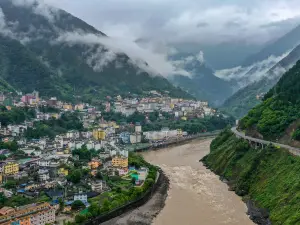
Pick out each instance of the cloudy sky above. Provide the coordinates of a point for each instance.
(189, 21)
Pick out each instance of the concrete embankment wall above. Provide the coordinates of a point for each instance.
(179, 142)
(162, 181)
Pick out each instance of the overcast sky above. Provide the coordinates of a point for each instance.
(188, 21)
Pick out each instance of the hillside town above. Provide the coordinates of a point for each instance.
(48, 170)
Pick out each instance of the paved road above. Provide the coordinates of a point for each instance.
(293, 150)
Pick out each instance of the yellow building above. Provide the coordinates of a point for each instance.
(63, 171)
(68, 106)
(99, 134)
(10, 168)
(120, 162)
(1, 178)
(184, 118)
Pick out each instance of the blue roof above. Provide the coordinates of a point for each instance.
(69, 202)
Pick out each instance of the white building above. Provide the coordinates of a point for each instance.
(44, 163)
(98, 185)
(135, 138)
(81, 197)
(46, 217)
(43, 174)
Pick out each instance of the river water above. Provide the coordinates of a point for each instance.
(196, 195)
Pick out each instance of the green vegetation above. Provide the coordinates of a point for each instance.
(270, 177)
(296, 134)
(75, 176)
(280, 108)
(122, 191)
(17, 200)
(240, 103)
(10, 145)
(84, 154)
(52, 127)
(72, 73)
(193, 126)
(77, 205)
(15, 115)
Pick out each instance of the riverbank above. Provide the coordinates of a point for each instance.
(194, 194)
(267, 179)
(145, 214)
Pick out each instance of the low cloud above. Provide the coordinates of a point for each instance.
(190, 21)
(100, 58)
(40, 8)
(146, 57)
(5, 27)
(255, 72)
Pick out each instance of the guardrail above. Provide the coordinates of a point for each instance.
(293, 150)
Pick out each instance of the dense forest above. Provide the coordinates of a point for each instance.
(280, 108)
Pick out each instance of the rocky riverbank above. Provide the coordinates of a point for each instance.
(145, 214)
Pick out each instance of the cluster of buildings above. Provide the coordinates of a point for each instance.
(180, 108)
(33, 214)
(46, 162)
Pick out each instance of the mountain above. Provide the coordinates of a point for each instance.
(246, 98)
(202, 83)
(59, 54)
(278, 116)
(276, 48)
(216, 54)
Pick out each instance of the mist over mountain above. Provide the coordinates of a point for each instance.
(246, 98)
(276, 48)
(201, 83)
(76, 58)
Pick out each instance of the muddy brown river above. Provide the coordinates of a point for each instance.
(196, 195)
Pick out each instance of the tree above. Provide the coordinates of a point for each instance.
(99, 175)
(61, 204)
(94, 209)
(75, 176)
(3, 199)
(133, 179)
(10, 184)
(77, 205)
(3, 157)
(80, 218)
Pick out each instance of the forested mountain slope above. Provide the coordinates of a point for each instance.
(279, 110)
(245, 99)
(65, 56)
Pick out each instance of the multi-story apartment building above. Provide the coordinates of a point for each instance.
(120, 162)
(99, 134)
(10, 168)
(34, 214)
